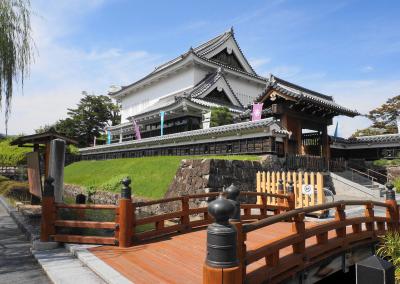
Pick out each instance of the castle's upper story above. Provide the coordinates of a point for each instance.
(220, 56)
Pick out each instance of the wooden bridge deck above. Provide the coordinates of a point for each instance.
(180, 258)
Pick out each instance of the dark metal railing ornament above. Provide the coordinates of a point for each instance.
(126, 190)
(390, 193)
(290, 188)
(221, 235)
(48, 187)
(280, 186)
(232, 194)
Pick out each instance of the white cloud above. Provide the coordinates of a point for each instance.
(286, 71)
(61, 72)
(258, 62)
(367, 69)
(362, 95)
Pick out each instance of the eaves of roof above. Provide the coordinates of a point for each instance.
(189, 135)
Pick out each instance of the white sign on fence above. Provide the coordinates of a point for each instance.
(307, 189)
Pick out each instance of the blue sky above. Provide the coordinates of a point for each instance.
(347, 49)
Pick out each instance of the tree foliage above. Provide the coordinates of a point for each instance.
(383, 119)
(88, 119)
(16, 47)
(221, 116)
(12, 155)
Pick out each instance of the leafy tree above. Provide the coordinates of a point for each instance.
(221, 116)
(88, 119)
(16, 47)
(383, 119)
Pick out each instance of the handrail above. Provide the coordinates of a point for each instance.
(85, 206)
(378, 173)
(293, 213)
(204, 195)
(361, 173)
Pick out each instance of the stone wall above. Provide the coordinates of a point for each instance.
(393, 172)
(211, 175)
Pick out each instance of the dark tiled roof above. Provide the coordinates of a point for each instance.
(200, 51)
(194, 134)
(383, 138)
(209, 82)
(301, 93)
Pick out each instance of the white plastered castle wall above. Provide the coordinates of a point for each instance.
(138, 100)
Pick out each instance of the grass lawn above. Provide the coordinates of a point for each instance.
(150, 176)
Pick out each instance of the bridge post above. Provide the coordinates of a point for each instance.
(222, 265)
(233, 193)
(281, 202)
(393, 212)
(291, 196)
(125, 214)
(185, 213)
(340, 215)
(299, 227)
(47, 227)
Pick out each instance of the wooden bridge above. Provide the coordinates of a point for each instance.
(258, 243)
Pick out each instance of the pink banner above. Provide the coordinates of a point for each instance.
(257, 111)
(137, 130)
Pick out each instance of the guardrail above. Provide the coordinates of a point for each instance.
(126, 225)
(305, 251)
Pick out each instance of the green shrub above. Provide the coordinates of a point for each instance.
(15, 190)
(390, 250)
(385, 162)
(397, 185)
(113, 184)
(11, 155)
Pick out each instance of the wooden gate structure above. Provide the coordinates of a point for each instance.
(267, 243)
(278, 182)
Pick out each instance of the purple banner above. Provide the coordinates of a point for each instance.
(137, 130)
(257, 111)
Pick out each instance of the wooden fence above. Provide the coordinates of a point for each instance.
(308, 187)
(314, 163)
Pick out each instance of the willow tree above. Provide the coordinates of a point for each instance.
(16, 48)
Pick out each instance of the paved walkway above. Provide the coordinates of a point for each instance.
(17, 265)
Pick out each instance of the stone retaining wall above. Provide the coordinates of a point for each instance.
(393, 172)
(211, 175)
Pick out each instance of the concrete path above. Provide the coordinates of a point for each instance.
(17, 265)
(63, 268)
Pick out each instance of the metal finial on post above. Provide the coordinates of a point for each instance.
(232, 194)
(126, 190)
(291, 196)
(221, 236)
(290, 188)
(280, 185)
(390, 193)
(48, 187)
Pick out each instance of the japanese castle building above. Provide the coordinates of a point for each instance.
(217, 74)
